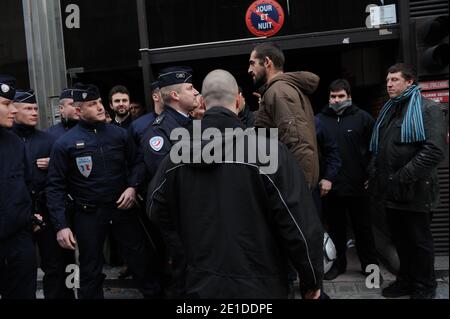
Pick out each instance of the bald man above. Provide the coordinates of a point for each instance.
(239, 234)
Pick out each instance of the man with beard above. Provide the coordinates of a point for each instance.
(119, 101)
(69, 116)
(284, 105)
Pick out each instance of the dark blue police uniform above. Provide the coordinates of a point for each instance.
(58, 130)
(96, 163)
(156, 143)
(17, 254)
(54, 259)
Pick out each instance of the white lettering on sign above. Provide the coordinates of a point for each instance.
(264, 8)
(434, 85)
(265, 26)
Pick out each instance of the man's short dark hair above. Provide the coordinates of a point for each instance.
(271, 51)
(340, 84)
(118, 89)
(407, 70)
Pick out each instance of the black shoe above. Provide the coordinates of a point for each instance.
(397, 289)
(424, 294)
(333, 272)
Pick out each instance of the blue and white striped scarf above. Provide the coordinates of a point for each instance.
(412, 129)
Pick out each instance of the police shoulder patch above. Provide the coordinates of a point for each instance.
(156, 143)
(158, 119)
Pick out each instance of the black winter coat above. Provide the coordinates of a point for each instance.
(404, 176)
(232, 228)
(352, 130)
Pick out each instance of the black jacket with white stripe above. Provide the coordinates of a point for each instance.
(230, 228)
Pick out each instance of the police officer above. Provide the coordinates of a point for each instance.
(38, 146)
(17, 254)
(180, 98)
(69, 116)
(140, 125)
(98, 164)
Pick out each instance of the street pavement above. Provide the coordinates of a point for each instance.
(350, 285)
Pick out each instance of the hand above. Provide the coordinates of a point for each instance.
(366, 184)
(65, 239)
(325, 187)
(127, 199)
(313, 294)
(258, 96)
(36, 228)
(42, 163)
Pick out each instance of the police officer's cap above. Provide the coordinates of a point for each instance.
(85, 92)
(7, 86)
(66, 94)
(175, 75)
(28, 97)
(154, 86)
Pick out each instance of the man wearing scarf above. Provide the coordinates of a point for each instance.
(352, 128)
(408, 143)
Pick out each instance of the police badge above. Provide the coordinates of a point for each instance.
(84, 165)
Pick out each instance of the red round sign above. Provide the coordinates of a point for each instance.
(264, 18)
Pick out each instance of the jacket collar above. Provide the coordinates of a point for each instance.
(221, 118)
(181, 119)
(92, 125)
(352, 109)
(23, 130)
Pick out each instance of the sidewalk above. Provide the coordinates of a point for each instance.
(350, 285)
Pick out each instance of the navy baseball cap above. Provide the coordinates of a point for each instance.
(175, 75)
(28, 97)
(85, 92)
(7, 86)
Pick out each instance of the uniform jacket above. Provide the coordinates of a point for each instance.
(58, 130)
(139, 126)
(352, 130)
(15, 202)
(38, 144)
(159, 133)
(232, 228)
(285, 105)
(95, 163)
(404, 176)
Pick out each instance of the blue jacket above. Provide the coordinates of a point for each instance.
(15, 202)
(38, 144)
(94, 163)
(329, 158)
(58, 130)
(156, 143)
(139, 126)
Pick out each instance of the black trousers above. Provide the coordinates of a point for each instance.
(54, 261)
(336, 210)
(411, 235)
(91, 228)
(18, 269)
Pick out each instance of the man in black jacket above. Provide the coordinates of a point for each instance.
(352, 128)
(235, 239)
(17, 254)
(408, 143)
